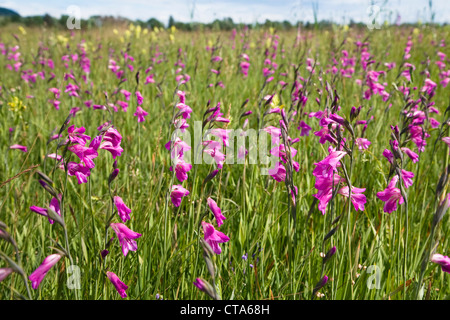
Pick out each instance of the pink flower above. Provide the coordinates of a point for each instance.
(4, 272)
(443, 261)
(181, 169)
(357, 198)
(278, 173)
(85, 154)
(407, 178)
(120, 286)
(362, 143)
(447, 141)
(305, 128)
(38, 275)
(388, 155)
(177, 193)
(216, 211)
(76, 135)
(328, 165)
(54, 205)
(18, 146)
(390, 196)
(79, 171)
(178, 148)
(126, 237)
(200, 284)
(214, 237)
(123, 210)
(139, 98)
(141, 114)
(412, 155)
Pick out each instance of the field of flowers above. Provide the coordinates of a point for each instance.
(123, 171)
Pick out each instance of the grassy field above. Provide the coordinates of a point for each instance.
(276, 246)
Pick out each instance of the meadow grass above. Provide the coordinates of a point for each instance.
(169, 256)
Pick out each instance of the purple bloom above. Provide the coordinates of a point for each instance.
(141, 114)
(390, 196)
(214, 237)
(216, 211)
(123, 210)
(120, 286)
(38, 275)
(181, 169)
(305, 128)
(412, 155)
(279, 173)
(4, 272)
(443, 261)
(79, 171)
(177, 193)
(199, 284)
(54, 205)
(85, 154)
(126, 237)
(18, 146)
(76, 135)
(328, 165)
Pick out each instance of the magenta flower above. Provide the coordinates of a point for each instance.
(54, 205)
(213, 149)
(407, 178)
(278, 173)
(305, 128)
(126, 237)
(177, 193)
(85, 154)
(214, 237)
(76, 135)
(324, 186)
(178, 148)
(200, 284)
(216, 211)
(362, 143)
(79, 171)
(120, 286)
(139, 98)
(357, 198)
(181, 169)
(447, 141)
(140, 114)
(328, 165)
(443, 261)
(18, 146)
(123, 210)
(388, 155)
(390, 196)
(4, 272)
(38, 275)
(412, 155)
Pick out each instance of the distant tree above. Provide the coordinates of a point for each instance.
(171, 22)
(48, 20)
(151, 23)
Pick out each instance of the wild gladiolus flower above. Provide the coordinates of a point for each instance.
(278, 173)
(178, 148)
(76, 135)
(120, 286)
(54, 205)
(216, 211)
(412, 155)
(141, 114)
(18, 146)
(123, 210)
(443, 261)
(357, 198)
(447, 141)
(181, 169)
(126, 237)
(79, 171)
(407, 178)
(85, 154)
(328, 165)
(177, 193)
(305, 128)
(38, 275)
(388, 155)
(362, 143)
(214, 237)
(200, 284)
(4, 272)
(390, 196)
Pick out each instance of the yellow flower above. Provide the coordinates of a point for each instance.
(16, 105)
(22, 30)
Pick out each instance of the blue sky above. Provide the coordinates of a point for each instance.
(246, 11)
